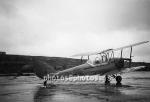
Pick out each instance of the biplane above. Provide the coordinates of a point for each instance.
(105, 63)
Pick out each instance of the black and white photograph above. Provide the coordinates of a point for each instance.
(74, 50)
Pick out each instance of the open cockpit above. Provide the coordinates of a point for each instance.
(102, 58)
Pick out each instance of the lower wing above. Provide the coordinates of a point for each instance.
(126, 70)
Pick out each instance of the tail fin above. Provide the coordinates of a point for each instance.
(42, 68)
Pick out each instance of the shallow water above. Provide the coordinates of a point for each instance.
(135, 88)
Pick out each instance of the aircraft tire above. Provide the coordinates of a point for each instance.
(118, 80)
(45, 83)
(107, 81)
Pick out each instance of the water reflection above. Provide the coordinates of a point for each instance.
(76, 93)
(135, 87)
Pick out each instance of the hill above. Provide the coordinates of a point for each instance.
(14, 63)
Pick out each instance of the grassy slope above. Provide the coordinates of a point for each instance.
(14, 63)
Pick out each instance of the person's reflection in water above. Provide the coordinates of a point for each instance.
(44, 94)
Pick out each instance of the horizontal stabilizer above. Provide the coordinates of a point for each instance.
(42, 68)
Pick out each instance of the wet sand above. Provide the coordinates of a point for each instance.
(135, 88)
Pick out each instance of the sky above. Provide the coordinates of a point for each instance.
(67, 27)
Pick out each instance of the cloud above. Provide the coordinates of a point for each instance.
(8, 9)
(136, 14)
(62, 28)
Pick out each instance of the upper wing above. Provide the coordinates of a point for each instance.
(126, 70)
(108, 50)
(135, 44)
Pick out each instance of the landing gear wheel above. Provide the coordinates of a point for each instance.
(118, 80)
(45, 83)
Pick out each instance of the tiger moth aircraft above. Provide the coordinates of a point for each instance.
(104, 64)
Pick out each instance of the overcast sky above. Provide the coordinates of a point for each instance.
(67, 27)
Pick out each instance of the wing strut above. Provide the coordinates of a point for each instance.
(121, 53)
(81, 59)
(130, 57)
